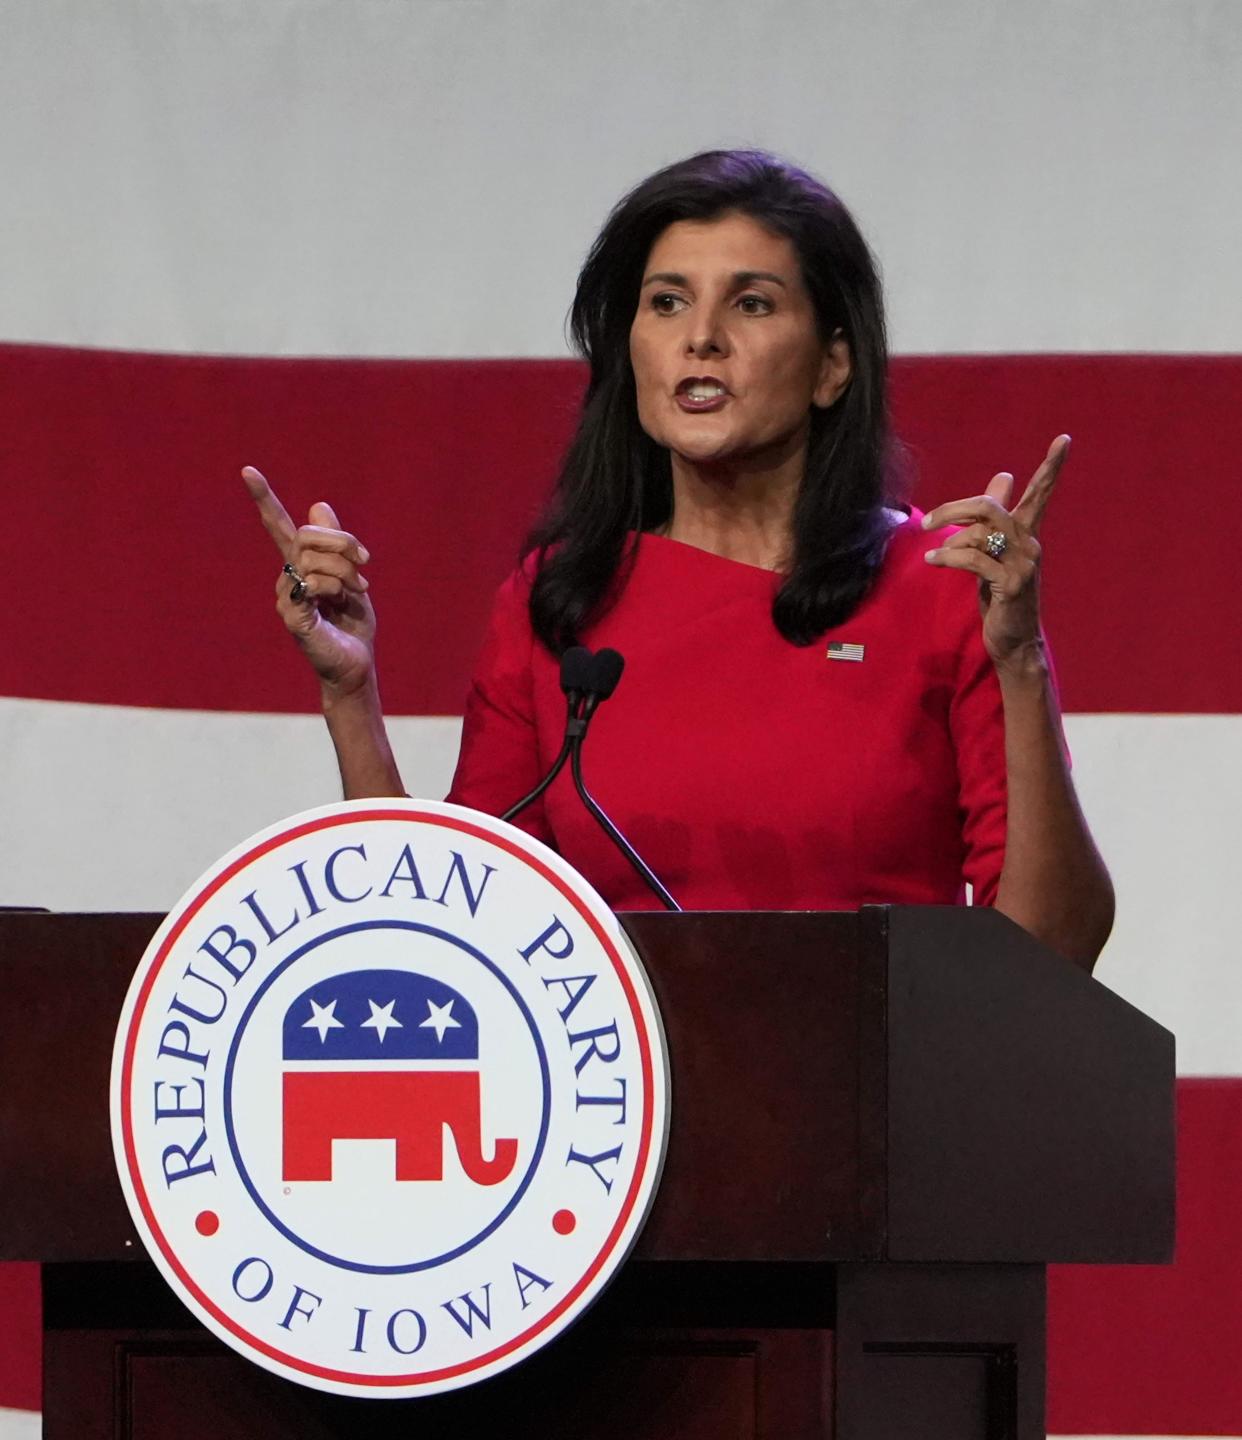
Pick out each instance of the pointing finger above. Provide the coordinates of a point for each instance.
(273, 514)
(1030, 509)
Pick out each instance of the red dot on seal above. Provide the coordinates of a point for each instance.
(564, 1221)
(207, 1223)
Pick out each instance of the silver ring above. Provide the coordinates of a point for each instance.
(297, 591)
(996, 544)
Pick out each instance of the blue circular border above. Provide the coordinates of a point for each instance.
(244, 1174)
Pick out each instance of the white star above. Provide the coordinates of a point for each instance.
(323, 1018)
(382, 1020)
(440, 1018)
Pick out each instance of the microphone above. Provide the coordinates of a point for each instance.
(576, 674)
(588, 680)
(605, 672)
(604, 675)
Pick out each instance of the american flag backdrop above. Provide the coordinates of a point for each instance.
(337, 239)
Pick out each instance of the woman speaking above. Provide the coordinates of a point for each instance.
(829, 700)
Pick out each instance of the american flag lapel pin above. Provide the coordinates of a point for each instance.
(843, 650)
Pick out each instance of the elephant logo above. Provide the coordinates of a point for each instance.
(385, 1055)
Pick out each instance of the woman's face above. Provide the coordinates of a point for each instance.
(727, 360)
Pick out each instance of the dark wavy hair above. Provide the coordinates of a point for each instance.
(615, 481)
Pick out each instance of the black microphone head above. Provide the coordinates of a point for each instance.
(606, 668)
(576, 671)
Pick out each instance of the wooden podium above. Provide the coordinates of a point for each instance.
(885, 1125)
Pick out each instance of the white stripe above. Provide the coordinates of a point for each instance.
(108, 808)
(1161, 793)
(365, 177)
(430, 1066)
(20, 1424)
(113, 808)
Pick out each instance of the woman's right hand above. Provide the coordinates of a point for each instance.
(333, 622)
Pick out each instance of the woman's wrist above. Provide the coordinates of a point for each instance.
(337, 700)
(1024, 667)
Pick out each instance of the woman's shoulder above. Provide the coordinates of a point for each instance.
(922, 595)
(907, 540)
(513, 592)
(509, 631)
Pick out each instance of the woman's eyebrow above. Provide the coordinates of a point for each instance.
(740, 279)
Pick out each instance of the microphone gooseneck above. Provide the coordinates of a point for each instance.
(588, 680)
(609, 829)
(606, 668)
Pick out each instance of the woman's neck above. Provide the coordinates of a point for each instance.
(739, 510)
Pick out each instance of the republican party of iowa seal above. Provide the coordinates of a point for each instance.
(389, 1097)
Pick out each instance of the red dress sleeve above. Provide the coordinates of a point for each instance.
(499, 761)
(977, 726)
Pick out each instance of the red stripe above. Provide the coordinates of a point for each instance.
(142, 577)
(20, 1324)
(1153, 1350)
(1138, 589)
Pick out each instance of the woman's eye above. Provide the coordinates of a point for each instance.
(754, 305)
(666, 303)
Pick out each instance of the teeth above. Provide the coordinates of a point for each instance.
(705, 392)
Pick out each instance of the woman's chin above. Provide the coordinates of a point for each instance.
(703, 460)
(706, 449)
(707, 442)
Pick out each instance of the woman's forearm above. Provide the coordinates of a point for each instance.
(363, 754)
(1054, 883)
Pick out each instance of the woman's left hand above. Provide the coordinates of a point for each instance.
(1001, 547)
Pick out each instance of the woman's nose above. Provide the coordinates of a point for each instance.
(706, 334)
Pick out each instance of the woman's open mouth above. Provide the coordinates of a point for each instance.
(698, 395)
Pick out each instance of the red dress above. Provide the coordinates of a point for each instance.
(748, 772)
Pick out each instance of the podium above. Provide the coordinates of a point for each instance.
(885, 1125)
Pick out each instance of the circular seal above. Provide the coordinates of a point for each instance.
(389, 1097)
